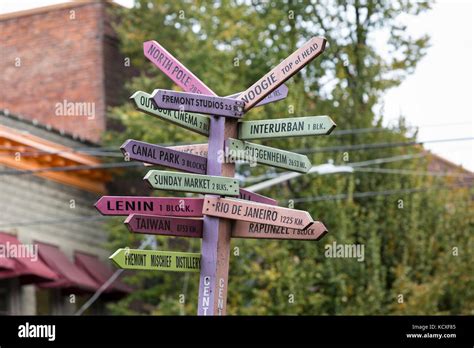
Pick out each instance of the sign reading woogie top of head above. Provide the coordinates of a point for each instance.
(282, 72)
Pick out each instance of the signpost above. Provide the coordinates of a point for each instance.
(250, 152)
(237, 209)
(194, 102)
(164, 156)
(126, 205)
(151, 260)
(245, 229)
(164, 225)
(283, 71)
(286, 127)
(255, 217)
(193, 122)
(219, 185)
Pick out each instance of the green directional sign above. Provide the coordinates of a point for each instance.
(250, 152)
(156, 260)
(286, 127)
(166, 180)
(195, 122)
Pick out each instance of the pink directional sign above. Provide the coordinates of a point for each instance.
(278, 94)
(170, 206)
(195, 149)
(174, 69)
(237, 209)
(255, 197)
(164, 225)
(245, 229)
(164, 156)
(193, 102)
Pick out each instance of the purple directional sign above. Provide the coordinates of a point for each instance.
(255, 197)
(169, 206)
(193, 102)
(164, 225)
(164, 156)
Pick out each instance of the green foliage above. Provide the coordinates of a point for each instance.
(409, 238)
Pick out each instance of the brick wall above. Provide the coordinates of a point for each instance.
(61, 54)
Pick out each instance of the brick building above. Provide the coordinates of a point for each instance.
(60, 70)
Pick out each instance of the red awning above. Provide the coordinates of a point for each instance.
(99, 271)
(71, 277)
(18, 261)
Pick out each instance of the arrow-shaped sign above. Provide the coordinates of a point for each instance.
(286, 127)
(164, 156)
(250, 152)
(191, 121)
(237, 209)
(255, 197)
(245, 229)
(164, 225)
(193, 102)
(169, 206)
(282, 72)
(219, 185)
(278, 94)
(156, 260)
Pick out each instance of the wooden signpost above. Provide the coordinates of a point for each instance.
(164, 225)
(286, 127)
(126, 205)
(214, 218)
(218, 185)
(194, 102)
(164, 156)
(237, 209)
(250, 152)
(151, 260)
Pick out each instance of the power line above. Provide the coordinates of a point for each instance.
(413, 172)
(71, 168)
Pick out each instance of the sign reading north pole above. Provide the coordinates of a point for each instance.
(193, 102)
(151, 260)
(286, 127)
(237, 209)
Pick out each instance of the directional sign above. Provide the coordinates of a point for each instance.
(164, 225)
(219, 185)
(237, 209)
(193, 102)
(250, 152)
(255, 197)
(286, 127)
(194, 149)
(126, 205)
(283, 71)
(194, 122)
(156, 260)
(174, 69)
(245, 229)
(160, 155)
(278, 94)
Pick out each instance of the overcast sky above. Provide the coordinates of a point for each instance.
(438, 97)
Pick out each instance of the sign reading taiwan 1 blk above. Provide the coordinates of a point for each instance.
(250, 152)
(164, 225)
(219, 185)
(164, 156)
(282, 72)
(237, 209)
(245, 229)
(152, 260)
(286, 127)
(169, 206)
(193, 102)
(191, 121)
